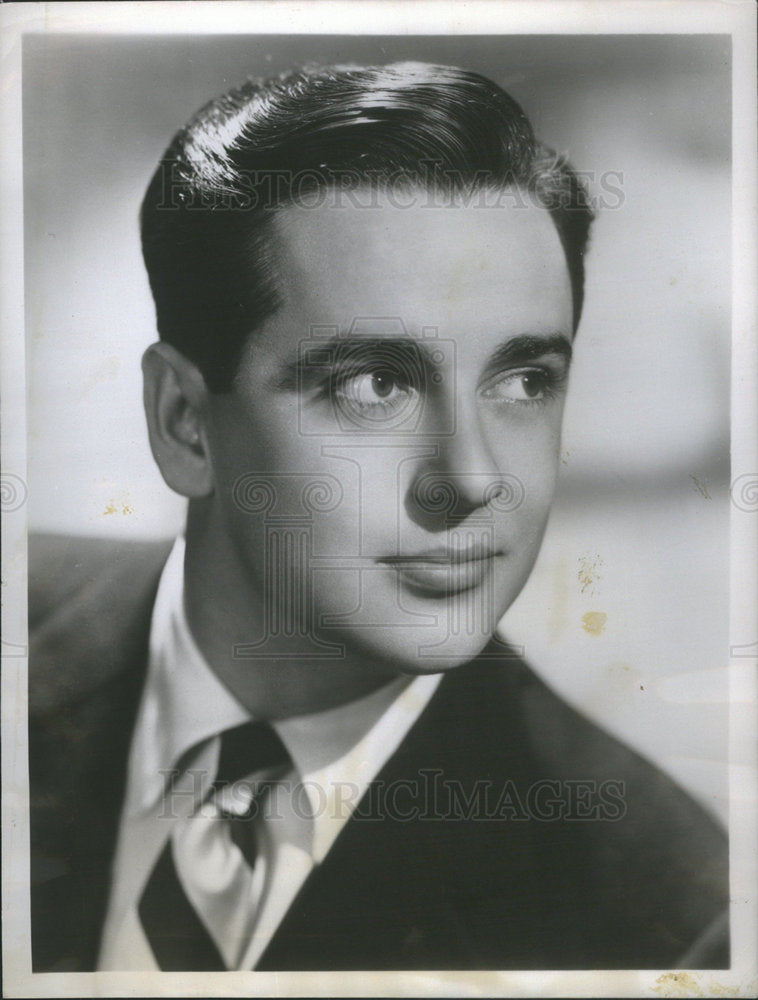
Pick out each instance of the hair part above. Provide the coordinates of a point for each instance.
(208, 212)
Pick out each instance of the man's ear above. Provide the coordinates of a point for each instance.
(176, 398)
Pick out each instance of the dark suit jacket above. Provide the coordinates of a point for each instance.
(483, 874)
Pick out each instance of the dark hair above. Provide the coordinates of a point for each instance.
(207, 215)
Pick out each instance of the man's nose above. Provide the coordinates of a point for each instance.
(462, 478)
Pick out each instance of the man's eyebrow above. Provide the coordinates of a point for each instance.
(528, 347)
(316, 356)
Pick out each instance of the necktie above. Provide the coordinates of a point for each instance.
(200, 901)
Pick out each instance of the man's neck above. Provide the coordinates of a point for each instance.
(274, 676)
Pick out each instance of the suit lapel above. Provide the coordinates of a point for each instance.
(79, 737)
(410, 882)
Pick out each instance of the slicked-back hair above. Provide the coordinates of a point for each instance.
(208, 212)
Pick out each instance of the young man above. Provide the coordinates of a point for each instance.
(295, 742)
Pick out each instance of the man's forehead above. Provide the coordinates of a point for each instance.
(384, 250)
(386, 219)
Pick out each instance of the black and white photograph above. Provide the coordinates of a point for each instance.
(379, 499)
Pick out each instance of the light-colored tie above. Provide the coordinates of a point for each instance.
(201, 901)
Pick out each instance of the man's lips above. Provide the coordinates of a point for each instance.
(442, 572)
(442, 557)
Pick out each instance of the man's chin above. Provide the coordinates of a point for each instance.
(420, 651)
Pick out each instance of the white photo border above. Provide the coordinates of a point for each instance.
(400, 17)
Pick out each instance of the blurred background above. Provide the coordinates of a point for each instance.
(626, 613)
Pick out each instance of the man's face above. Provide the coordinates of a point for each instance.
(385, 463)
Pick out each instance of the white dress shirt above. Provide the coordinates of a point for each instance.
(336, 754)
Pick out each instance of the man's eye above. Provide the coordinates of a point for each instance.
(532, 386)
(377, 394)
(372, 387)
